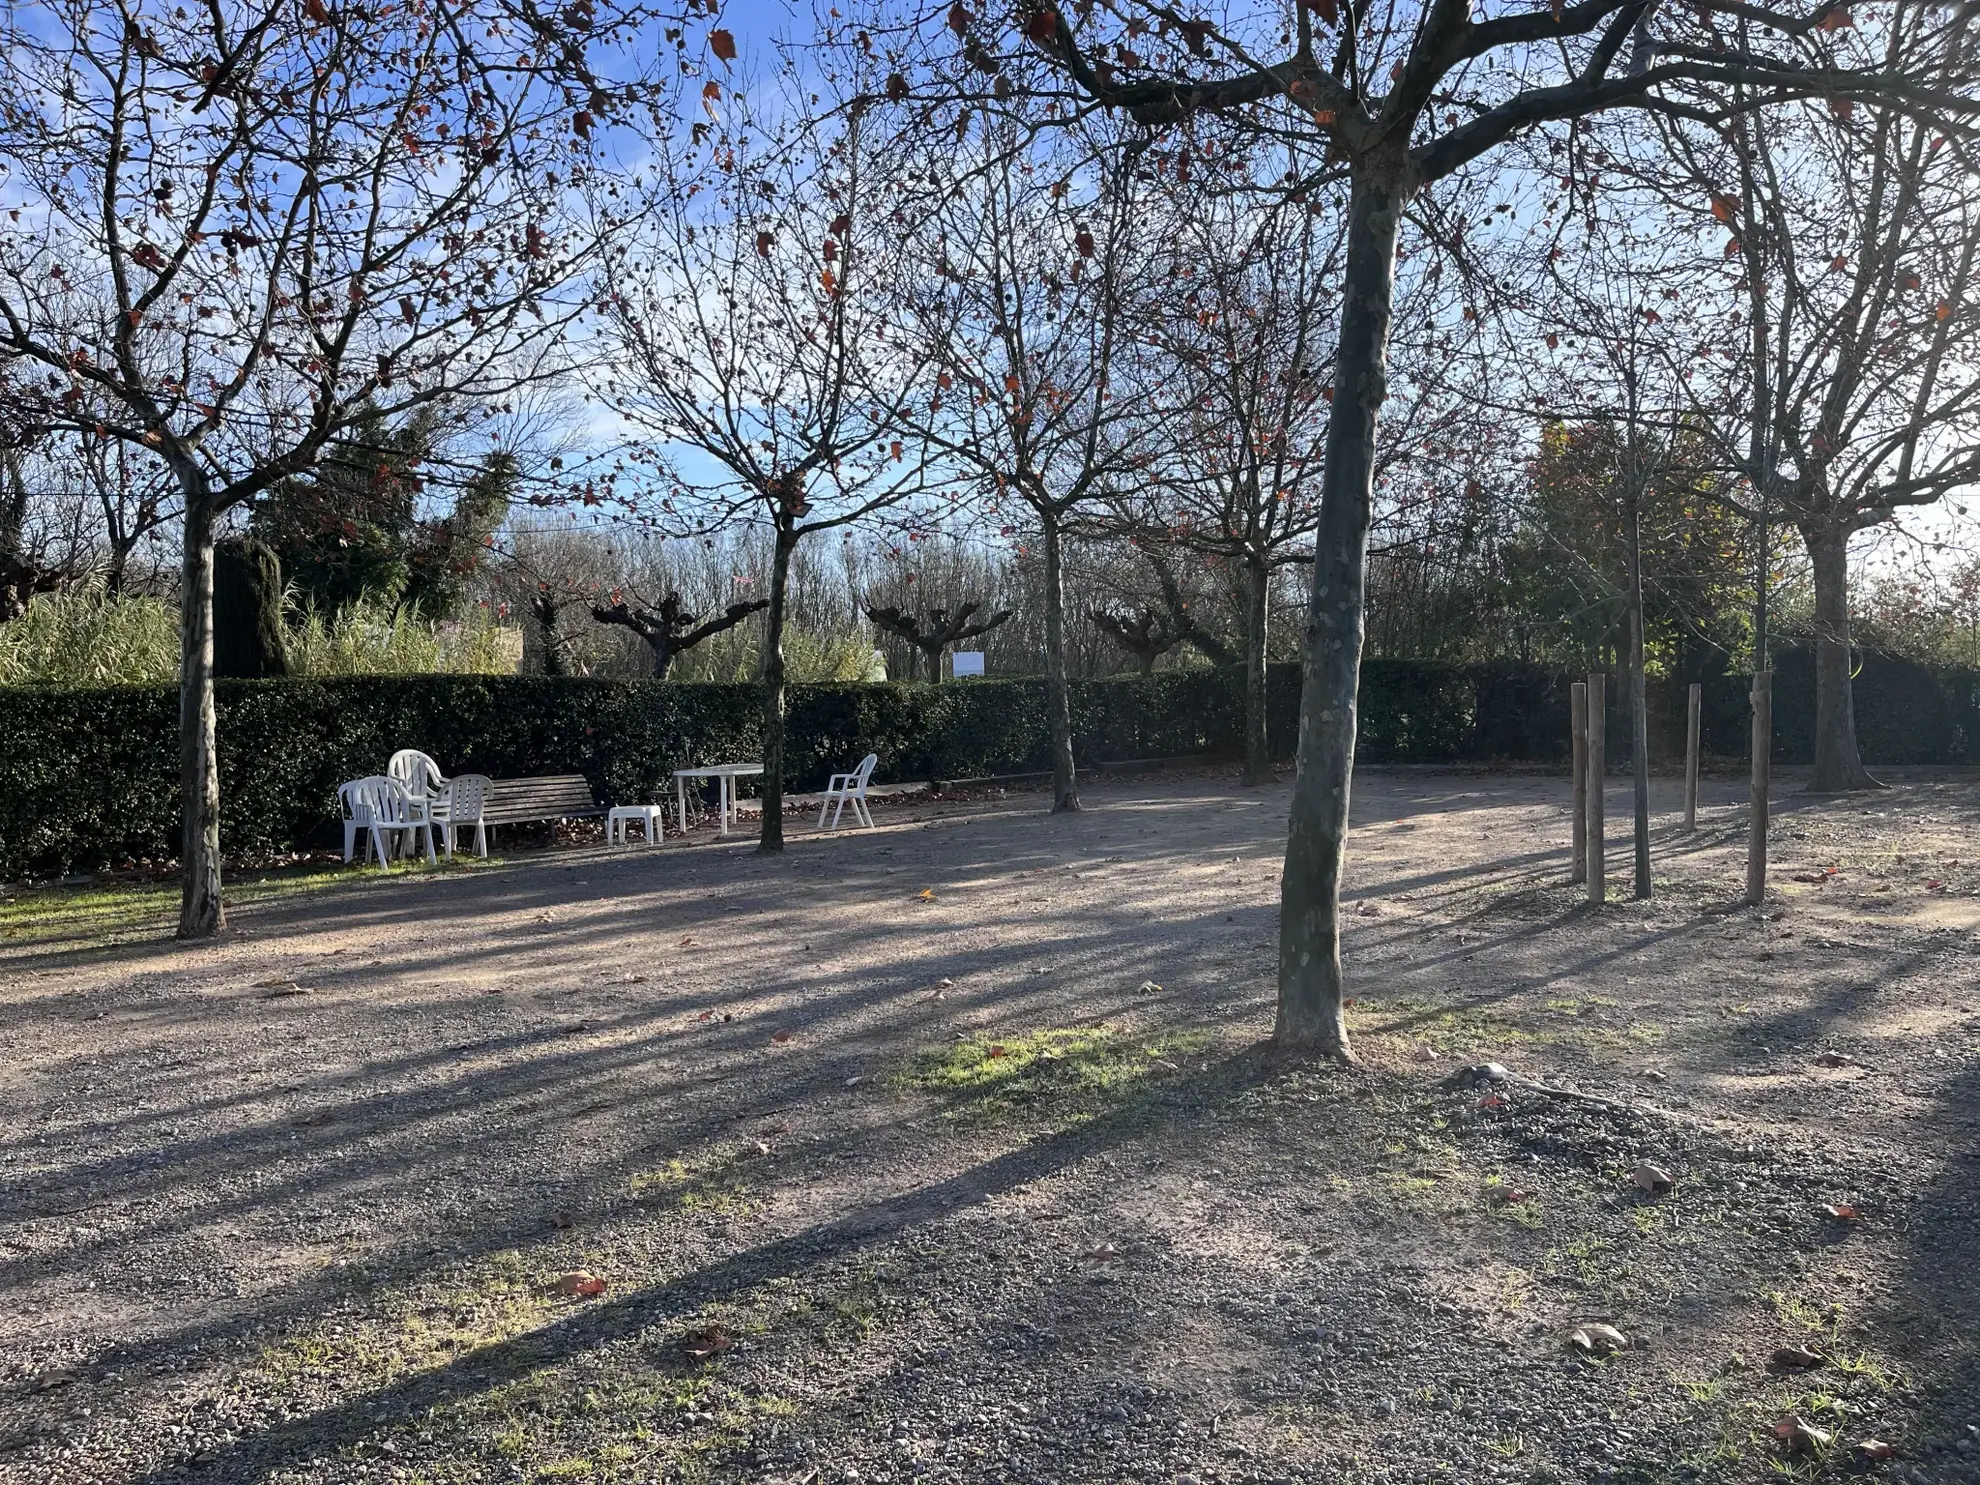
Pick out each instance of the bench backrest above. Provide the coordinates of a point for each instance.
(549, 798)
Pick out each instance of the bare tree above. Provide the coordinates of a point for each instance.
(667, 627)
(1032, 264)
(1850, 393)
(1145, 634)
(245, 227)
(1401, 100)
(932, 631)
(754, 308)
(1239, 366)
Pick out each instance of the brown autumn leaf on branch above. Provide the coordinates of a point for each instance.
(723, 45)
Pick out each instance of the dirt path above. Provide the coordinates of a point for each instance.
(949, 1147)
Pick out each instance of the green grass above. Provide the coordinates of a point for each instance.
(1086, 1063)
(101, 914)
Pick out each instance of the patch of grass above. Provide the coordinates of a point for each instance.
(102, 914)
(1091, 1063)
(709, 1184)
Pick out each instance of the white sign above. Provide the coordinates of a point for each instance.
(965, 662)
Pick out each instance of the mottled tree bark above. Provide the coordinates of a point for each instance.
(772, 836)
(1310, 1016)
(1838, 766)
(1058, 699)
(200, 912)
(1257, 746)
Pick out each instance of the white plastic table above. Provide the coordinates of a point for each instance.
(725, 776)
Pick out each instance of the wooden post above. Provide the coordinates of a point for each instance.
(1763, 772)
(1598, 761)
(1694, 699)
(1578, 727)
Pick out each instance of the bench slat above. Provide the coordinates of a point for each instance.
(555, 797)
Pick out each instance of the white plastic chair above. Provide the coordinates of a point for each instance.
(380, 805)
(464, 803)
(418, 775)
(849, 788)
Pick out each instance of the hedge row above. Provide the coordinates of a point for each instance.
(91, 776)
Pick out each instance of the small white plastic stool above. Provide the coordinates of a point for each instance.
(621, 815)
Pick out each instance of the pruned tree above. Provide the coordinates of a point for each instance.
(933, 630)
(245, 228)
(754, 310)
(668, 628)
(1398, 101)
(1144, 634)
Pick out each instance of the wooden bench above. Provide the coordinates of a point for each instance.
(564, 796)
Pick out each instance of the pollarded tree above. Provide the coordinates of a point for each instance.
(667, 627)
(758, 349)
(240, 229)
(1400, 99)
(933, 630)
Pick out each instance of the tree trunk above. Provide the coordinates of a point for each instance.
(1310, 1017)
(934, 665)
(1760, 788)
(1058, 701)
(772, 837)
(200, 911)
(1257, 748)
(1639, 710)
(1838, 766)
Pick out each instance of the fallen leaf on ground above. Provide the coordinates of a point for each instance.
(561, 1221)
(1367, 910)
(709, 1340)
(1424, 1054)
(926, 894)
(1871, 1451)
(284, 992)
(1148, 987)
(760, 1147)
(687, 943)
(1836, 1059)
(1797, 1437)
(1795, 1359)
(1821, 875)
(581, 1282)
(1598, 1340)
(1492, 1101)
(275, 982)
(997, 1051)
(855, 1080)
(705, 1015)
(780, 1037)
(1841, 1212)
(1105, 1253)
(635, 979)
(1653, 1178)
(1510, 1195)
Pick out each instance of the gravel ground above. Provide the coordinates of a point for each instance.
(946, 1153)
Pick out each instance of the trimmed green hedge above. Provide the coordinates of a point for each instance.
(89, 777)
(92, 775)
